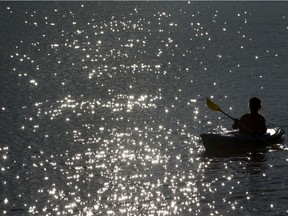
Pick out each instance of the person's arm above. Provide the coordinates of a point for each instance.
(235, 124)
(263, 126)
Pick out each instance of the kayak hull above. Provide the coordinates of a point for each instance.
(231, 141)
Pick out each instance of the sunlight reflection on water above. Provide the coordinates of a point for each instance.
(111, 100)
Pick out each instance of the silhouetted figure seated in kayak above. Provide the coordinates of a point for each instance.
(252, 122)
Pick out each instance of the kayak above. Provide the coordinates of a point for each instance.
(232, 141)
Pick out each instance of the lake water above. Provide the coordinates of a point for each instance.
(102, 105)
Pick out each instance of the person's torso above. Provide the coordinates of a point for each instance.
(255, 124)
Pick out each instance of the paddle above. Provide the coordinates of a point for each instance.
(213, 106)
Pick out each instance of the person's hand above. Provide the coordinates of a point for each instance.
(236, 121)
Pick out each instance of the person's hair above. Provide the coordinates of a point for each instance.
(255, 104)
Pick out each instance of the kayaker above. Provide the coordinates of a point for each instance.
(252, 122)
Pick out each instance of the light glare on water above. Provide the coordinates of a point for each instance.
(103, 104)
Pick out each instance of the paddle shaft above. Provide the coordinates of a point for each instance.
(227, 115)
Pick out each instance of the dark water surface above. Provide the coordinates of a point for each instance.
(102, 105)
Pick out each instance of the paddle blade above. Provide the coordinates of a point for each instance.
(212, 105)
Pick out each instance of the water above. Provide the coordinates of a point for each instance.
(102, 105)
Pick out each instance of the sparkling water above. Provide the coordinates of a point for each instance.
(102, 105)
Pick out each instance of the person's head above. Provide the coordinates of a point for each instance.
(255, 104)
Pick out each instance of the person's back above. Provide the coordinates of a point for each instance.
(255, 123)
(252, 122)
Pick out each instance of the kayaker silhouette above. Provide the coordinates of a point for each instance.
(251, 122)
